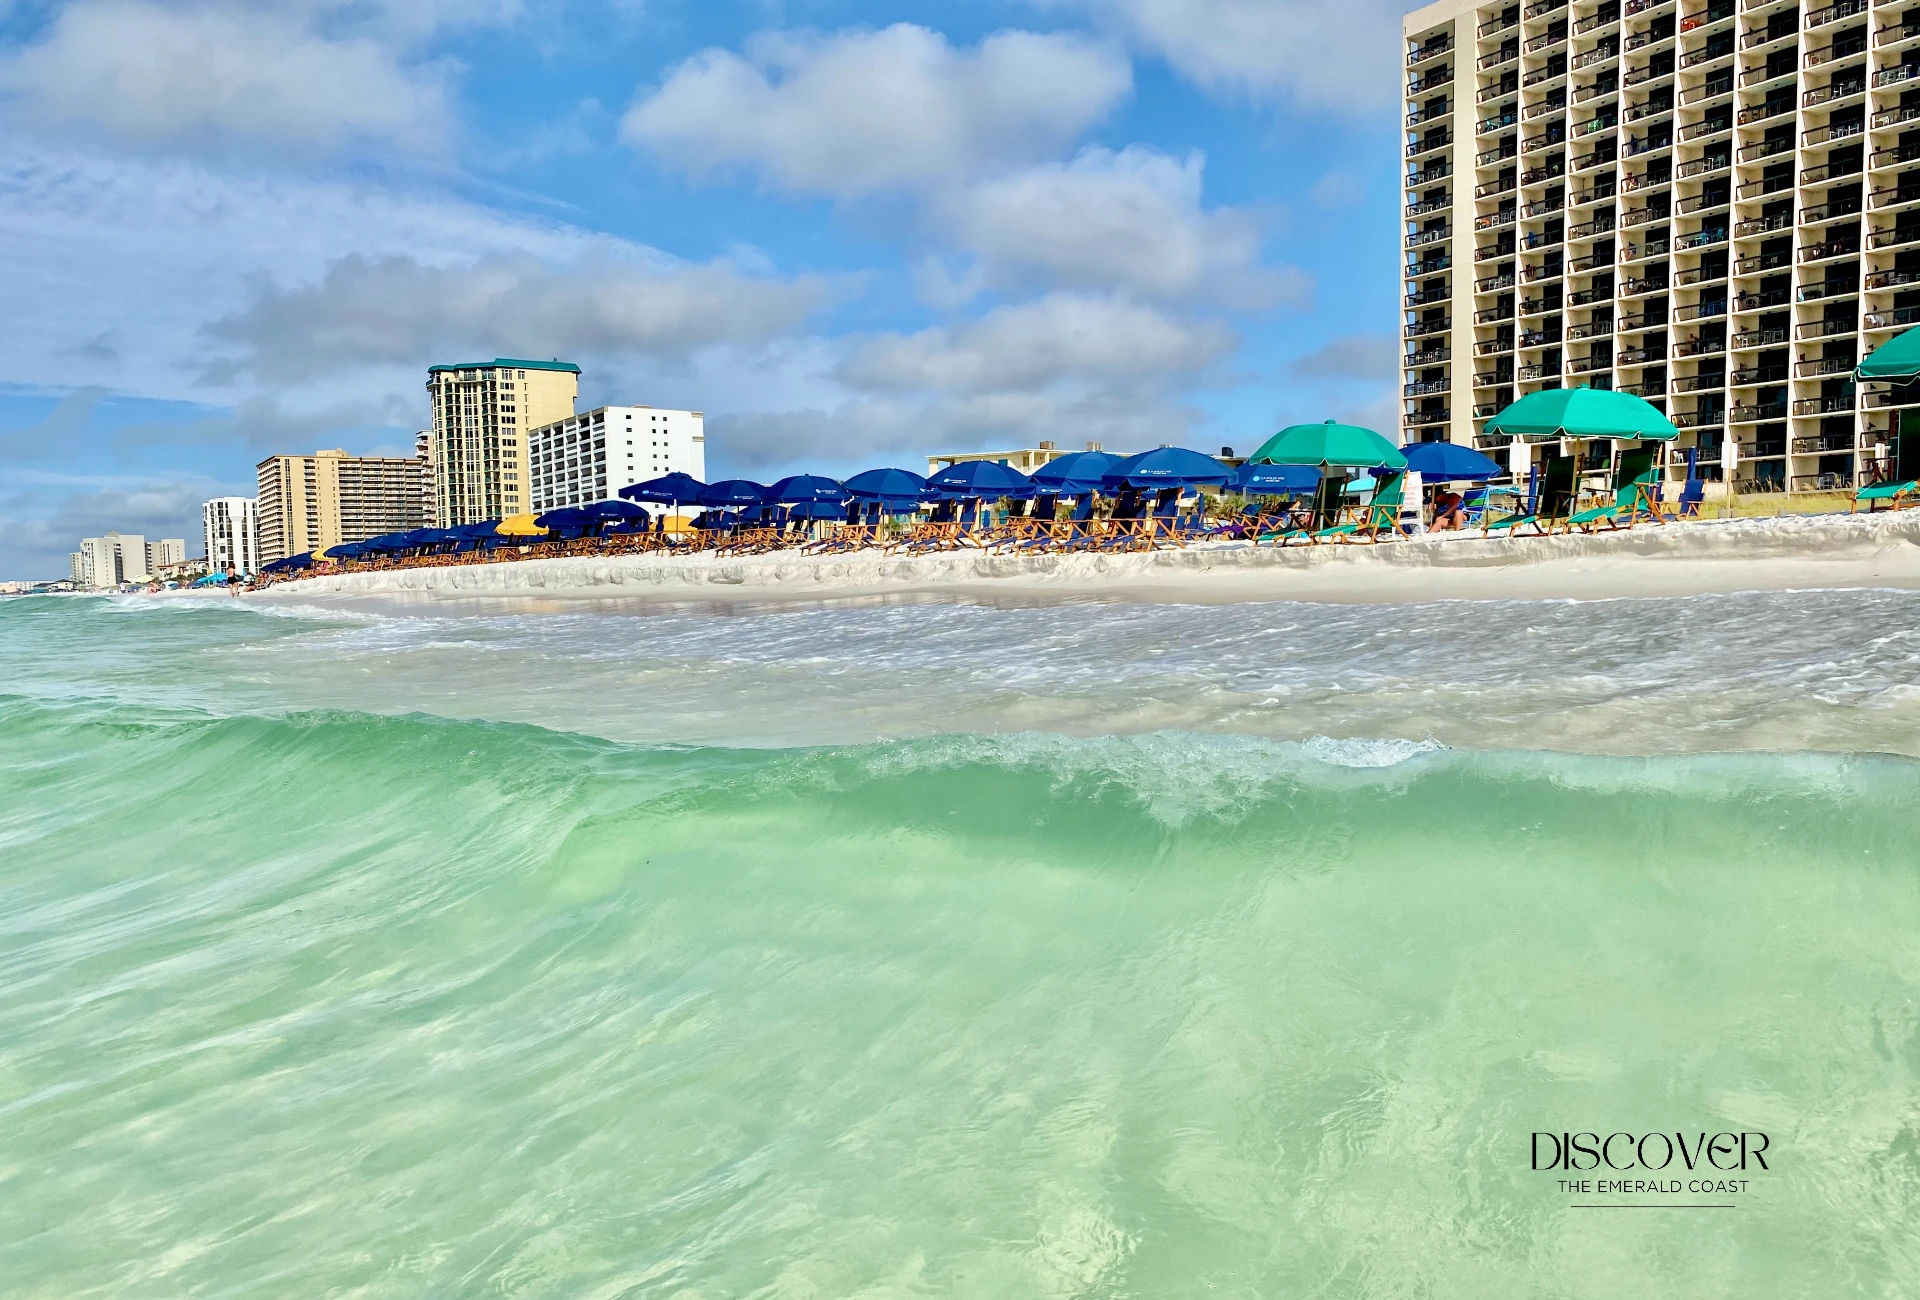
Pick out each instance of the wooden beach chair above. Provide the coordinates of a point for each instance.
(1635, 492)
(1551, 508)
(1380, 515)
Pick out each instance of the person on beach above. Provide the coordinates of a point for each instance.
(1449, 512)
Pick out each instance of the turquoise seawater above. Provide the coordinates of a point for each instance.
(771, 955)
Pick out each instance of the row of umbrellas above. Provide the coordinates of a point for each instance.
(1297, 459)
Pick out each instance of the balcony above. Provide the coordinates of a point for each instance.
(1703, 203)
(1541, 239)
(1600, 225)
(1421, 329)
(1701, 239)
(1829, 250)
(1898, 318)
(1708, 419)
(1542, 305)
(1711, 52)
(1821, 367)
(1539, 338)
(1429, 265)
(1881, 159)
(1746, 340)
(1600, 193)
(1770, 108)
(1492, 378)
(1493, 315)
(1590, 295)
(1498, 58)
(1647, 320)
(1643, 216)
(1896, 115)
(1605, 52)
(1431, 355)
(1894, 76)
(1545, 172)
(1531, 374)
(1498, 122)
(1706, 15)
(1599, 122)
(1754, 376)
(1654, 389)
(1593, 329)
(1700, 311)
(1827, 289)
(1748, 413)
(1490, 189)
(1761, 225)
(1754, 37)
(1492, 347)
(1433, 80)
(1835, 12)
(1543, 207)
(1823, 444)
(1894, 33)
(1587, 365)
(1420, 238)
(1425, 206)
(1492, 252)
(1706, 166)
(1893, 236)
(1765, 149)
(1431, 50)
(1823, 405)
(1762, 301)
(1494, 283)
(1439, 293)
(1431, 143)
(1541, 8)
(1588, 161)
(1833, 93)
(1508, 148)
(1831, 132)
(1427, 387)
(1437, 415)
(1828, 172)
(1639, 288)
(1495, 220)
(1544, 41)
(1700, 348)
(1825, 329)
(1640, 357)
(1844, 48)
(1437, 171)
(1821, 213)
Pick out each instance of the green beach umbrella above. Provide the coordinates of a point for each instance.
(1329, 445)
(1583, 413)
(1897, 358)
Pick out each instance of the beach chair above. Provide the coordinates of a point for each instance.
(1635, 491)
(1382, 514)
(1552, 506)
(1902, 484)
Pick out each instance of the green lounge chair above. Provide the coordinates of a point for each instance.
(1382, 514)
(1553, 505)
(1635, 482)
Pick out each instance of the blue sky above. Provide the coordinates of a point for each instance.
(850, 232)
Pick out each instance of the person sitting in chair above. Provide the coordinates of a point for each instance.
(1449, 511)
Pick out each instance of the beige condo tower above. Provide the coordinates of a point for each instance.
(308, 503)
(482, 413)
(1714, 204)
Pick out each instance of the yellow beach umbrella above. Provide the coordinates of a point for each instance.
(519, 526)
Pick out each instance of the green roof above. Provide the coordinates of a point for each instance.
(509, 363)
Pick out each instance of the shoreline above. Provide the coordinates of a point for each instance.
(1696, 557)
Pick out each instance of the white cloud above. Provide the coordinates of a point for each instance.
(1129, 220)
(219, 76)
(1354, 356)
(1340, 56)
(1031, 346)
(397, 311)
(863, 112)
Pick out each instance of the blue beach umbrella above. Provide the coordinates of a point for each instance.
(732, 492)
(290, 564)
(568, 522)
(1074, 473)
(668, 489)
(1443, 461)
(1275, 480)
(1167, 467)
(982, 479)
(886, 485)
(807, 489)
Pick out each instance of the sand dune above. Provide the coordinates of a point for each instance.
(1817, 551)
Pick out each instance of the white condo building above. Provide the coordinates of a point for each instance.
(109, 561)
(591, 456)
(231, 526)
(1714, 204)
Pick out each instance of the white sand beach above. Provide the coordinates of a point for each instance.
(1681, 559)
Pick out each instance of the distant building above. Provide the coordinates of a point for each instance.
(308, 503)
(1026, 460)
(106, 562)
(231, 527)
(165, 554)
(482, 411)
(423, 452)
(590, 457)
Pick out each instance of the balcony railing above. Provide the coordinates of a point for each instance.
(1493, 315)
(1823, 405)
(1893, 33)
(1639, 356)
(1599, 193)
(1427, 388)
(1593, 329)
(1830, 249)
(1637, 288)
(1505, 54)
(1494, 283)
(1828, 172)
(1829, 133)
(1587, 365)
(1756, 36)
(1543, 207)
(1420, 329)
(1703, 203)
(1766, 338)
(1495, 220)
(1435, 78)
(1492, 251)
(1508, 85)
(1425, 206)
(1438, 171)
(1427, 356)
(1827, 289)
(1835, 12)
(1603, 52)
(1834, 91)
(1419, 115)
(1700, 348)
(1429, 265)
(1833, 210)
(1545, 41)
(1498, 122)
(1761, 225)
(1765, 149)
(1825, 329)
(1894, 76)
(1749, 413)
(1896, 115)
(1754, 376)
(1429, 144)
(1822, 442)
(1422, 237)
(1431, 50)
(1895, 319)
(1700, 311)
(1893, 236)
(1494, 26)
(1757, 113)
(1840, 49)
(1647, 320)
(1823, 366)
(1600, 225)
(1493, 347)
(1489, 189)
(1420, 298)
(1492, 378)
(1654, 388)
(1437, 415)
(1704, 166)
(1762, 301)
(1643, 216)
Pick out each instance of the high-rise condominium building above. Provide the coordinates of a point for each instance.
(231, 527)
(308, 503)
(1714, 204)
(423, 452)
(590, 457)
(115, 558)
(482, 411)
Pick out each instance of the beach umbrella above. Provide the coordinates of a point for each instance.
(616, 512)
(1275, 480)
(980, 478)
(1075, 473)
(890, 485)
(1330, 446)
(568, 522)
(1583, 413)
(1444, 462)
(668, 489)
(732, 492)
(1166, 467)
(804, 489)
(515, 526)
(815, 510)
(1897, 358)
(290, 564)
